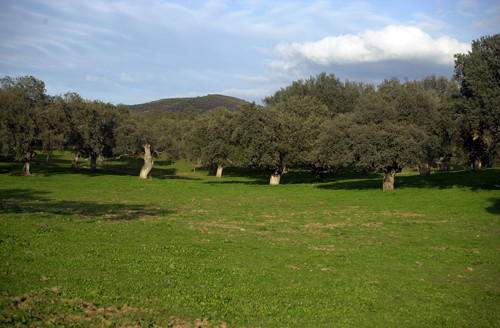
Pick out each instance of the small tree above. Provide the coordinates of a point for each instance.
(209, 140)
(306, 115)
(268, 138)
(91, 128)
(423, 108)
(370, 139)
(143, 134)
(26, 122)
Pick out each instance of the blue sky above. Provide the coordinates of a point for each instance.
(134, 51)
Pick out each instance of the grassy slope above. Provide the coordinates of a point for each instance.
(80, 248)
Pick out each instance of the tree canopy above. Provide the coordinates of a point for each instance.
(321, 123)
(478, 74)
(27, 122)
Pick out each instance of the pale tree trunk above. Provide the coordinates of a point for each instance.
(93, 166)
(424, 169)
(389, 180)
(74, 160)
(219, 171)
(148, 162)
(100, 160)
(478, 164)
(27, 162)
(275, 178)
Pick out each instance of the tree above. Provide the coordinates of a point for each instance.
(339, 97)
(147, 135)
(26, 123)
(446, 90)
(424, 108)
(372, 139)
(269, 138)
(209, 141)
(306, 115)
(91, 127)
(479, 111)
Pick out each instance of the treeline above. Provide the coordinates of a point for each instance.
(322, 123)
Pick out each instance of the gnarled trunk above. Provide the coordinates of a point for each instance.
(27, 162)
(74, 160)
(443, 164)
(424, 169)
(93, 166)
(275, 178)
(148, 162)
(219, 171)
(389, 176)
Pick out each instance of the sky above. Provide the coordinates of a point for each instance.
(135, 51)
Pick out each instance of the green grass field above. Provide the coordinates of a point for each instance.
(190, 250)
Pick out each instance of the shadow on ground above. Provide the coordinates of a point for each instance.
(55, 167)
(35, 202)
(495, 206)
(487, 179)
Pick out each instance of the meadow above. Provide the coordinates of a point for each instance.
(190, 250)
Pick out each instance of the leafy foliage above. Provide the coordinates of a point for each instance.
(27, 123)
(321, 123)
(479, 113)
(209, 140)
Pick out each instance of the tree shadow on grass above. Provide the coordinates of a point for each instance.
(495, 206)
(487, 179)
(50, 170)
(303, 176)
(26, 201)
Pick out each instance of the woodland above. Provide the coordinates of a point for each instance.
(320, 123)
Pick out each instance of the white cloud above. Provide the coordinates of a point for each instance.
(394, 42)
(126, 78)
(98, 78)
(179, 47)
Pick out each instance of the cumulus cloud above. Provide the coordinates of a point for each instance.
(394, 42)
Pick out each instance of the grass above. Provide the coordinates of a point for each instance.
(190, 250)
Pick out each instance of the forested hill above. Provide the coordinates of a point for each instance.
(204, 104)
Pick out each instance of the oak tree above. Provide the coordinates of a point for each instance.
(479, 112)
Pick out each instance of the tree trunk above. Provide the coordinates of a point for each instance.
(443, 164)
(148, 162)
(27, 162)
(93, 167)
(211, 169)
(389, 180)
(219, 171)
(478, 164)
(424, 169)
(320, 173)
(275, 178)
(74, 160)
(100, 160)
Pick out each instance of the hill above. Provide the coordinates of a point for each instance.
(204, 103)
